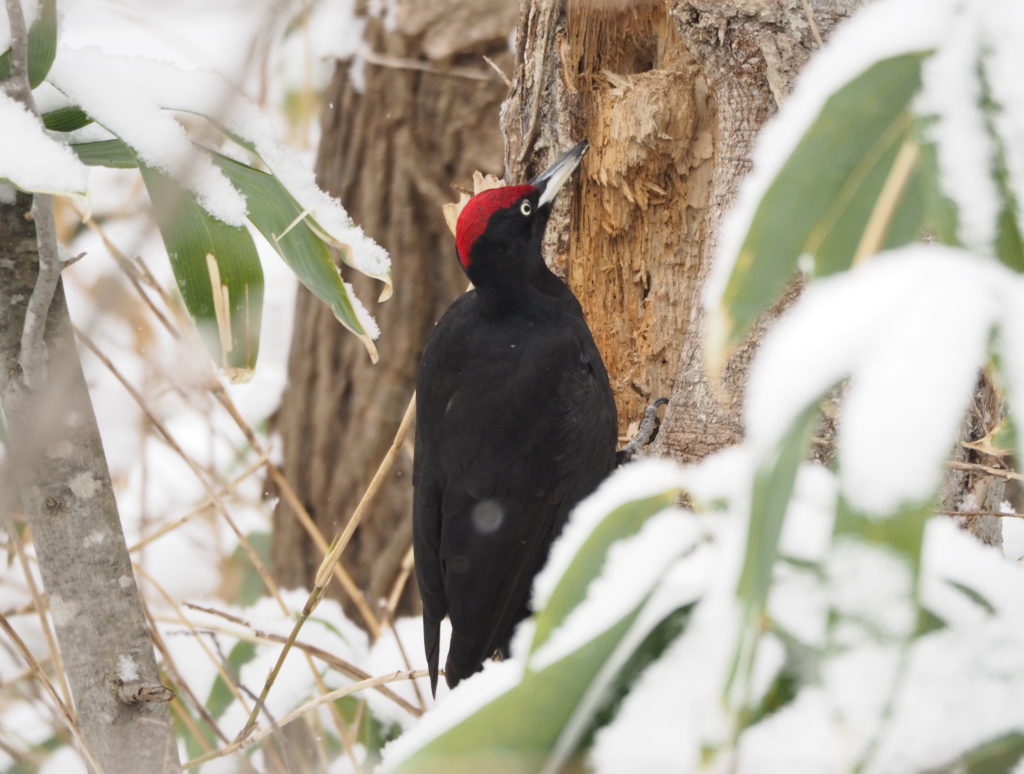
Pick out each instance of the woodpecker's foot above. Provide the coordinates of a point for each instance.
(644, 434)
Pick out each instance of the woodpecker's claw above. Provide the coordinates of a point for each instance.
(644, 434)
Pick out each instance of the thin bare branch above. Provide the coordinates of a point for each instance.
(40, 608)
(340, 664)
(41, 676)
(330, 562)
(309, 706)
(404, 63)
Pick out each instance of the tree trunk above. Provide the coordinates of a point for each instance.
(425, 117)
(671, 94)
(57, 464)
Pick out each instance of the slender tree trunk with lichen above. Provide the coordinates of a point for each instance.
(57, 469)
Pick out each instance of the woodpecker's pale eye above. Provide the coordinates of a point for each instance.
(526, 208)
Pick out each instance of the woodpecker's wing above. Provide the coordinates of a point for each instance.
(515, 425)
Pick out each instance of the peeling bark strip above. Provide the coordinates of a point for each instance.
(671, 94)
(59, 470)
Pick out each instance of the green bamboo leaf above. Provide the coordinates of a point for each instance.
(278, 216)
(772, 490)
(538, 723)
(186, 725)
(850, 188)
(344, 250)
(975, 596)
(218, 273)
(586, 565)
(106, 153)
(516, 732)
(221, 696)
(901, 532)
(66, 119)
(42, 46)
(994, 756)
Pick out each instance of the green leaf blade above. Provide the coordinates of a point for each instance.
(42, 43)
(218, 273)
(828, 192)
(106, 153)
(276, 214)
(66, 119)
(42, 46)
(571, 589)
(772, 490)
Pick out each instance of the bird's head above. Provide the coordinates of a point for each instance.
(499, 231)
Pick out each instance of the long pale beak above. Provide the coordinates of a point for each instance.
(553, 178)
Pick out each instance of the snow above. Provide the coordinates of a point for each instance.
(1013, 536)
(496, 678)
(133, 110)
(951, 93)
(1003, 60)
(33, 160)
(645, 478)
(632, 569)
(365, 318)
(386, 656)
(900, 413)
(881, 574)
(127, 668)
(958, 686)
(223, 36)
(660, 727)
(64, 760)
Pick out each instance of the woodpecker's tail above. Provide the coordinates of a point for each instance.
(431, 645)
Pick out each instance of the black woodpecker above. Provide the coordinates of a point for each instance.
(515, 424)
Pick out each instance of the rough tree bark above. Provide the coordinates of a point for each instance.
(426, 117)
(57, 466)
(671, 94)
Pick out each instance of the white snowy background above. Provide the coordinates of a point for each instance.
(661, 725)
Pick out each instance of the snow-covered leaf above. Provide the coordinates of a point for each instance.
(218, 274)
(769, 500)
(900, 413)
(299, 219)
(588, 561)
(321, 213)
(849, 188)
(33, 160)
(278, 216)
(627, 577)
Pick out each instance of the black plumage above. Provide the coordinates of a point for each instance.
(515, 425)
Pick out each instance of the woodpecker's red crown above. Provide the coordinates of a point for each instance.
(475, 215)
